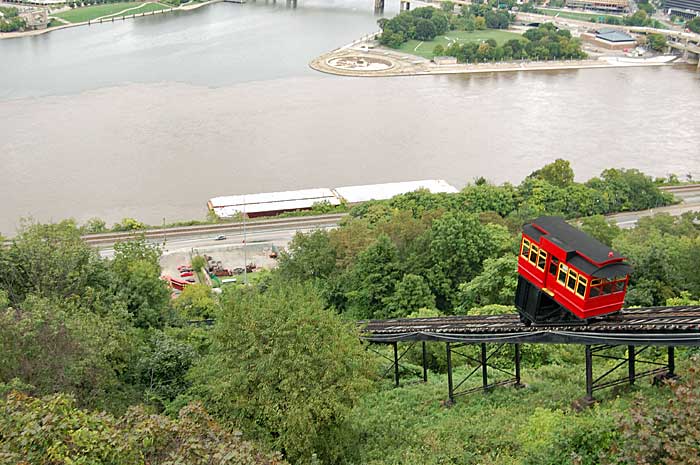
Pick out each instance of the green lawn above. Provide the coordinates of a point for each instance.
(574, 15)
(78, 15)
(425, 49)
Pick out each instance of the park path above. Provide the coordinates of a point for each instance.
(122, 12)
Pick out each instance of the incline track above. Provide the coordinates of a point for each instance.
(652, 326)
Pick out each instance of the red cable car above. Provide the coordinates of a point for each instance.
(566, 276)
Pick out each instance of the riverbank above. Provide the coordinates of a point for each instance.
(107, 19)
(363, 58)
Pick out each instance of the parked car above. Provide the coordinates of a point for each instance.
(220, 237)
(186, 274)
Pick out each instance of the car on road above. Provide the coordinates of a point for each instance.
(220, 237)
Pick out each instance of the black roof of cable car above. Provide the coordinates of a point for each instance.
(571, 239)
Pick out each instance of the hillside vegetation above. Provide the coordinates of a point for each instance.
(100, 366)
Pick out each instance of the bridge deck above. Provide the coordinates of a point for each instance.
(656, 326)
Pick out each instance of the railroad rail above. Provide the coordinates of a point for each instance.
(636, 329)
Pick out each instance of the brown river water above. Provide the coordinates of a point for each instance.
(150, 118)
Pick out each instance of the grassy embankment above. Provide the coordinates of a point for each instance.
(508, 426)
(425, 49)
(89, 13)
(576, 15)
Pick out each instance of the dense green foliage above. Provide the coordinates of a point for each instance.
(657, 42)
(694, 24)
(10, 21)
(544, 43)
(420, 23)
(642, 18)
(666, 433)
(286, 369)
(52, 431)
(427, 22)
(456, 250)
(282, 359)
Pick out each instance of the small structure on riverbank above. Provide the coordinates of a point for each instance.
(611, 39)
(445, 60)
(36, 18)
(274, 203)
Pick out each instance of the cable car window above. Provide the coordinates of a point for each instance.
(553, 266)
(581, 288)
(542, 260)
(595, 291)
(595, 282)
(562, 273)
(619, 285)
(608, 287)
(526, 248)
(533, 254)
(571, 282)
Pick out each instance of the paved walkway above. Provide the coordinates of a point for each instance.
(402, 64)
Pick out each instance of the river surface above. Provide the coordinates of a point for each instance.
(149, 118)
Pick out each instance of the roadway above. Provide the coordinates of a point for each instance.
(281, 231)
(182, 239)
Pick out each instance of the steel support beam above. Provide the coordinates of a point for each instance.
(671, 361)
(450, 391)
(484, 368)
(517, 366)
(589, 373)
(425, 364)
(630, 364)
(396, 363)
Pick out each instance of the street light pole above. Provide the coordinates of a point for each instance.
(245, 248)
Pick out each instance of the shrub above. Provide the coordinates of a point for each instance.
(52, 431)
(286, 369)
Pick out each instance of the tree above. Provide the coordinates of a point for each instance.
(286, 369)
(458, 245)
(694, 24)
(412, 293)
(196, 302)
(441, 23)
(439, 50)
(657, 42)
(647, 7)
(308, 256)
(51, 260)
(94, 226)
(372, 280)
(639, 18)
(494, 285)
(599, 228)
(128, 224)
(479, 23)
(162, 367)
(198, 263)
(626, 190)
(425, 29)
(55, 346)
(558, 173)
(136, 282)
